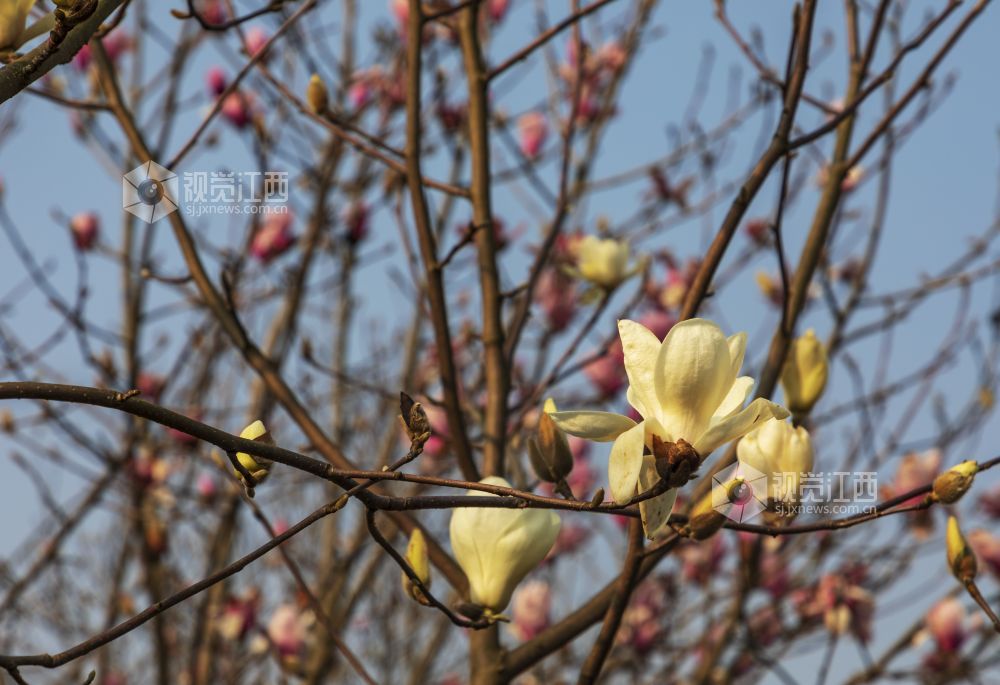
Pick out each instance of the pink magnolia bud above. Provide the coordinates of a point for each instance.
(239, 616)
(256, 39)
(610, 57)
(531, 606)
(216, 80)
(533, 129)
(987, 549)
(607, 374)
(206, 487)
(659, 322)
(556, 295)
(758, 230)
(990, 502)
(237, 109)
(496, 9)
(401, 13)
(273, 238)
(946, 624)
(280, 525)
(150, 385)
(360, 92)
(85, 228)
(356, 222)
(287, 631)
(214, 12)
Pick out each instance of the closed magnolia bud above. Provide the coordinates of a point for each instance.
(418, 426)
(549, 450)
(317, 95)
(952, 484)
(417, 558)
(805, 373)
(961, 558)
(498, 547)
(258, 467)
(705, 520)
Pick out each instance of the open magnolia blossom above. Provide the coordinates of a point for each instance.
(14, 19)
(686, 388)
(780, 451)
(497, 548)
(602, 261)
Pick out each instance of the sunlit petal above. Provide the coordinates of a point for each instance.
(599, 426)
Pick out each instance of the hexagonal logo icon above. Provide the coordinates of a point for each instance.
(739, 492)
(150, 192)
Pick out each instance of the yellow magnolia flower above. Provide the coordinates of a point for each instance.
(13, 18)
(603, 262)
(258, 467)
(781, 452)
(497, 548)
(805, 373)
(685, 388)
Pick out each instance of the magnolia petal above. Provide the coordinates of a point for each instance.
(626, 462)
(599, 426)
(655, 512)
(737, 395)
(636, 404)
(692, 377)
(739, 424)
(737, 349)
(641, 348)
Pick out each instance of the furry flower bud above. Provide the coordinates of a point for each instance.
(548, 449)
(953, 483)
(316, 94)
(961, 558)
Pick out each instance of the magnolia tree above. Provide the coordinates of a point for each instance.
(414, 352)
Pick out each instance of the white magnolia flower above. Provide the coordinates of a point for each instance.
(685, 388)
(13, 18)
(497, 548)
(603, 262)
(780, 451)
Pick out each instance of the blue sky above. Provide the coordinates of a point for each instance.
(944, 192)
